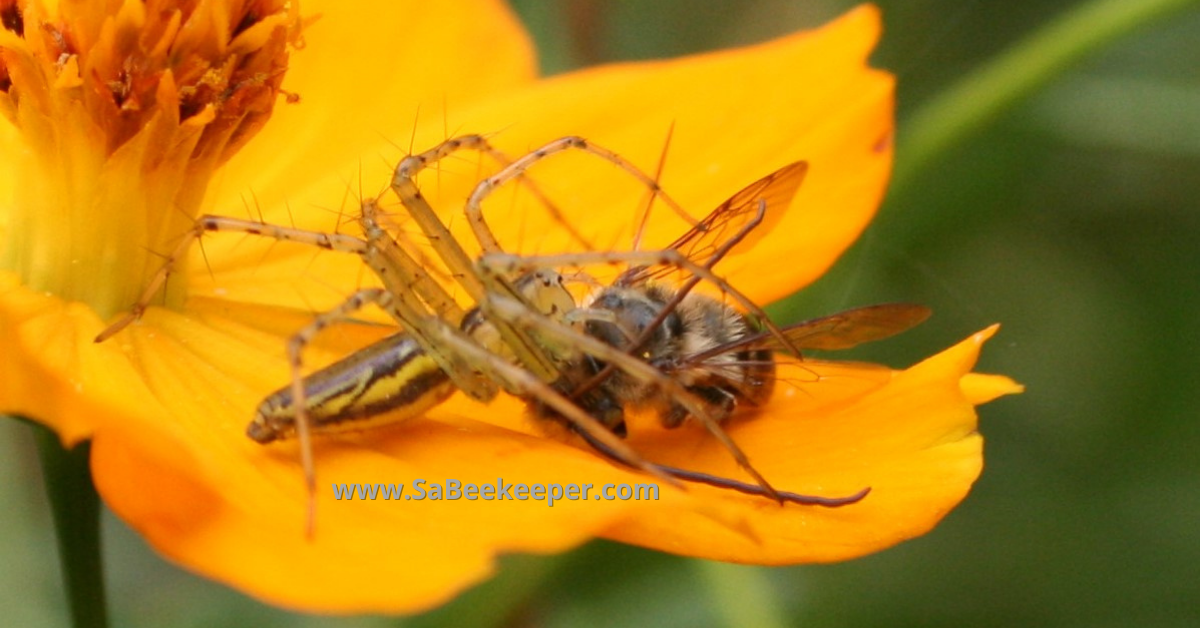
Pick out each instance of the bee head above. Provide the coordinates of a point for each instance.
(632, 312)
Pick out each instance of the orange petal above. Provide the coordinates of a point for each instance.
(909, 436)
(981, 388)
(365, 73)
(10, 147)
(52, 373)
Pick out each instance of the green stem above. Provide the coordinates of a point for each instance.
(76, 511)
(963, 109)
(497, 602)
(742, 595)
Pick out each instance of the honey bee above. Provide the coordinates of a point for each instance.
(722, 356)
(714, 351)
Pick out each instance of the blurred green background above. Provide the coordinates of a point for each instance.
(1071, 218)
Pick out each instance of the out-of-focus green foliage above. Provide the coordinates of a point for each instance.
(1072, 220)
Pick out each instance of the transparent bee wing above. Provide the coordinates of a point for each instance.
(836, 331)
(706, 238)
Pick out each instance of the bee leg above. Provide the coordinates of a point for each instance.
(599, 403)
(718, 403)
(604, 408)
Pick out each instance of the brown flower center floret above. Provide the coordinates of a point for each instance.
(126, 108)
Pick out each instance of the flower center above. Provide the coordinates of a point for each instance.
(124, 109)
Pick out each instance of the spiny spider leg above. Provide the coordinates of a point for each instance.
(206, 223)
(462, 267)
(474, 209)
(411, 166)
(295, 349)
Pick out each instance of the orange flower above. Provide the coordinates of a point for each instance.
(119, 118)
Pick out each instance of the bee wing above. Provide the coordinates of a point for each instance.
(836, 331)
(707, 236)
